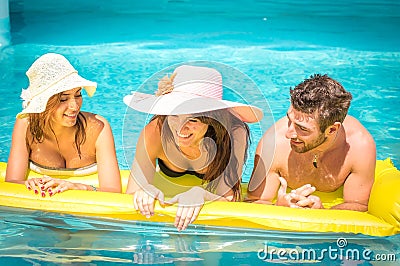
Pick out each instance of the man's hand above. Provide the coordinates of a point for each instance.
(298, 198)
(285, 199)
(309, 202)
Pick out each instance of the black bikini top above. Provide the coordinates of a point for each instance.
(170, 173)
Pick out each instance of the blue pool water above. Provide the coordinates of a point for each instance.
(277, 45)
(37, 238)
(120, 44)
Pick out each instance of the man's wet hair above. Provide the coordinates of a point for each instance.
(323, 97)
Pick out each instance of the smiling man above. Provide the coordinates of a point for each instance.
(317, 147)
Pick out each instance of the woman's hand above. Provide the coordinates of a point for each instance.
(52, 185)
(189, 206)
(143, 199)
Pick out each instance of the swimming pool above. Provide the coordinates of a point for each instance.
(30, 237)
(122, 43)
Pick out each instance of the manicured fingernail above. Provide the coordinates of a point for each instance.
(50, 193)
(42, 187)
(36, 191)
(43, 194)
(29, 188)
(59, 191)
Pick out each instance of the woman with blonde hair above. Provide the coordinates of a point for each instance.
(52, 136)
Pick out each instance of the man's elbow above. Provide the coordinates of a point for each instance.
(352, 206)
(256, 198)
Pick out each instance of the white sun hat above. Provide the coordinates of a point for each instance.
(194, 90)
(51, 74)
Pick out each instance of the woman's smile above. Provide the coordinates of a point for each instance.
(184, 136)
(188, 130)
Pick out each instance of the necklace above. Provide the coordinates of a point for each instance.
(315, 161)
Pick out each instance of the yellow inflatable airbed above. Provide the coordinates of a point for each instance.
(382, 218)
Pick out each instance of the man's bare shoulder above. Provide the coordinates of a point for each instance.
(352, 124)
(277, 130)
(275, 136)
(356, 134)
(274, 143)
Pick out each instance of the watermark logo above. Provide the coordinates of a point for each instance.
(341, 242)
(337, 251)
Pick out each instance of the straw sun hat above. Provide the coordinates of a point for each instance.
(51, 74)
(194, 90)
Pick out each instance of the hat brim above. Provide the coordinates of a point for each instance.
(39, 102)
(177, 103)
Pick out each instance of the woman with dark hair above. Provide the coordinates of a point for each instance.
(53, 137)
(193, 132)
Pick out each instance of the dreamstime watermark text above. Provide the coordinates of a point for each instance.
(338, 251)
